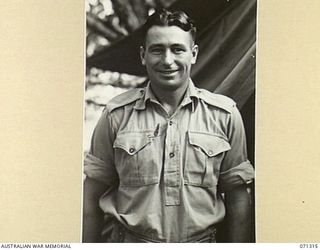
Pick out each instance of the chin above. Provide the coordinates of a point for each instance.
(167, 85)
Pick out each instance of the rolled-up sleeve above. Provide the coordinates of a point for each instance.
(236, 168)
(99, 162)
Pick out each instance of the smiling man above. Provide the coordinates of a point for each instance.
(168, 162)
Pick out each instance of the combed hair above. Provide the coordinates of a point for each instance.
(165, 18)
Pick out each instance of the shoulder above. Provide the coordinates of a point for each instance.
(124, 99)
(220, 101)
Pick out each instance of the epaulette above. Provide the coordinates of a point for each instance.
(217, 100)
(125, 98)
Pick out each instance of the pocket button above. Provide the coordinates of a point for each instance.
(210, 152)
(131, 150)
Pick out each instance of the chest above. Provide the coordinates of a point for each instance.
(185, 148)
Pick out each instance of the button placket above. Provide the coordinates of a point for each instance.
(171, 167)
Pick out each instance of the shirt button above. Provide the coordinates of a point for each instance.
(171, 155)
(170, 123)
(131, 150)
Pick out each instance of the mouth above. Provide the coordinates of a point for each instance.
(168, 72)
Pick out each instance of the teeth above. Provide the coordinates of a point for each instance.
(168, 72)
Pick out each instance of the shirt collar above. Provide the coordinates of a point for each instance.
(147, 95)
(191, 96)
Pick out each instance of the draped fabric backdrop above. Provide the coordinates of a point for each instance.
(226, 35)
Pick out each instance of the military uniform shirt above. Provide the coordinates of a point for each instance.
(166, 173)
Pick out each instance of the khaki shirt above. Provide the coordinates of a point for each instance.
(166, 173)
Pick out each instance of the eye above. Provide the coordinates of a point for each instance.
(156, 51)
(178, 50)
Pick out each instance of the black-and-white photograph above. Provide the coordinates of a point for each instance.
(169, 124)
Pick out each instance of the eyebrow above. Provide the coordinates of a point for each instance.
(162, 45)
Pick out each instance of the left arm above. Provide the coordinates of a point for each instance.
(235, 173)
(238, 214)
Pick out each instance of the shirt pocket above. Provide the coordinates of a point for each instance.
(204, 154)
(136, 159)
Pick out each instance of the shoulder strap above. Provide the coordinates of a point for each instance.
(125, 99)
(217, 100)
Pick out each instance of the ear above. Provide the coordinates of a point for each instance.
(195, 50)
(142, 55)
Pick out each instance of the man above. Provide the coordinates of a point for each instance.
(167, 162)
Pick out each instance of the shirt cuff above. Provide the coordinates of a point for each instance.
(241, 174)
(97, 169)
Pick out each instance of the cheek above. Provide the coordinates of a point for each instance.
(185, 61)
(151, 60)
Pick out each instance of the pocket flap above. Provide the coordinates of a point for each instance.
(132, 142)
(211, 144)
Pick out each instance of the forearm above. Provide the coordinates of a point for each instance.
(92, 227)
(92, 215)
(239, 215)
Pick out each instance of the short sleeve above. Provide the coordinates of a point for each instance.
(99, 162)
(235, 169)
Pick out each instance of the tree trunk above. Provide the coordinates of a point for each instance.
(99, 27)
(140, 9)
(126, 13)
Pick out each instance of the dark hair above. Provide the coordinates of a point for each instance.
(165, 18)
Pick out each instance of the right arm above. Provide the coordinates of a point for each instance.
(100, 175)
(92, 214)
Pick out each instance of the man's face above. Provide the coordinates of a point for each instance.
(168, 55)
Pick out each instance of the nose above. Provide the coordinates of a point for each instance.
(168, 58)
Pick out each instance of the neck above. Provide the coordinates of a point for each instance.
(170, 100)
